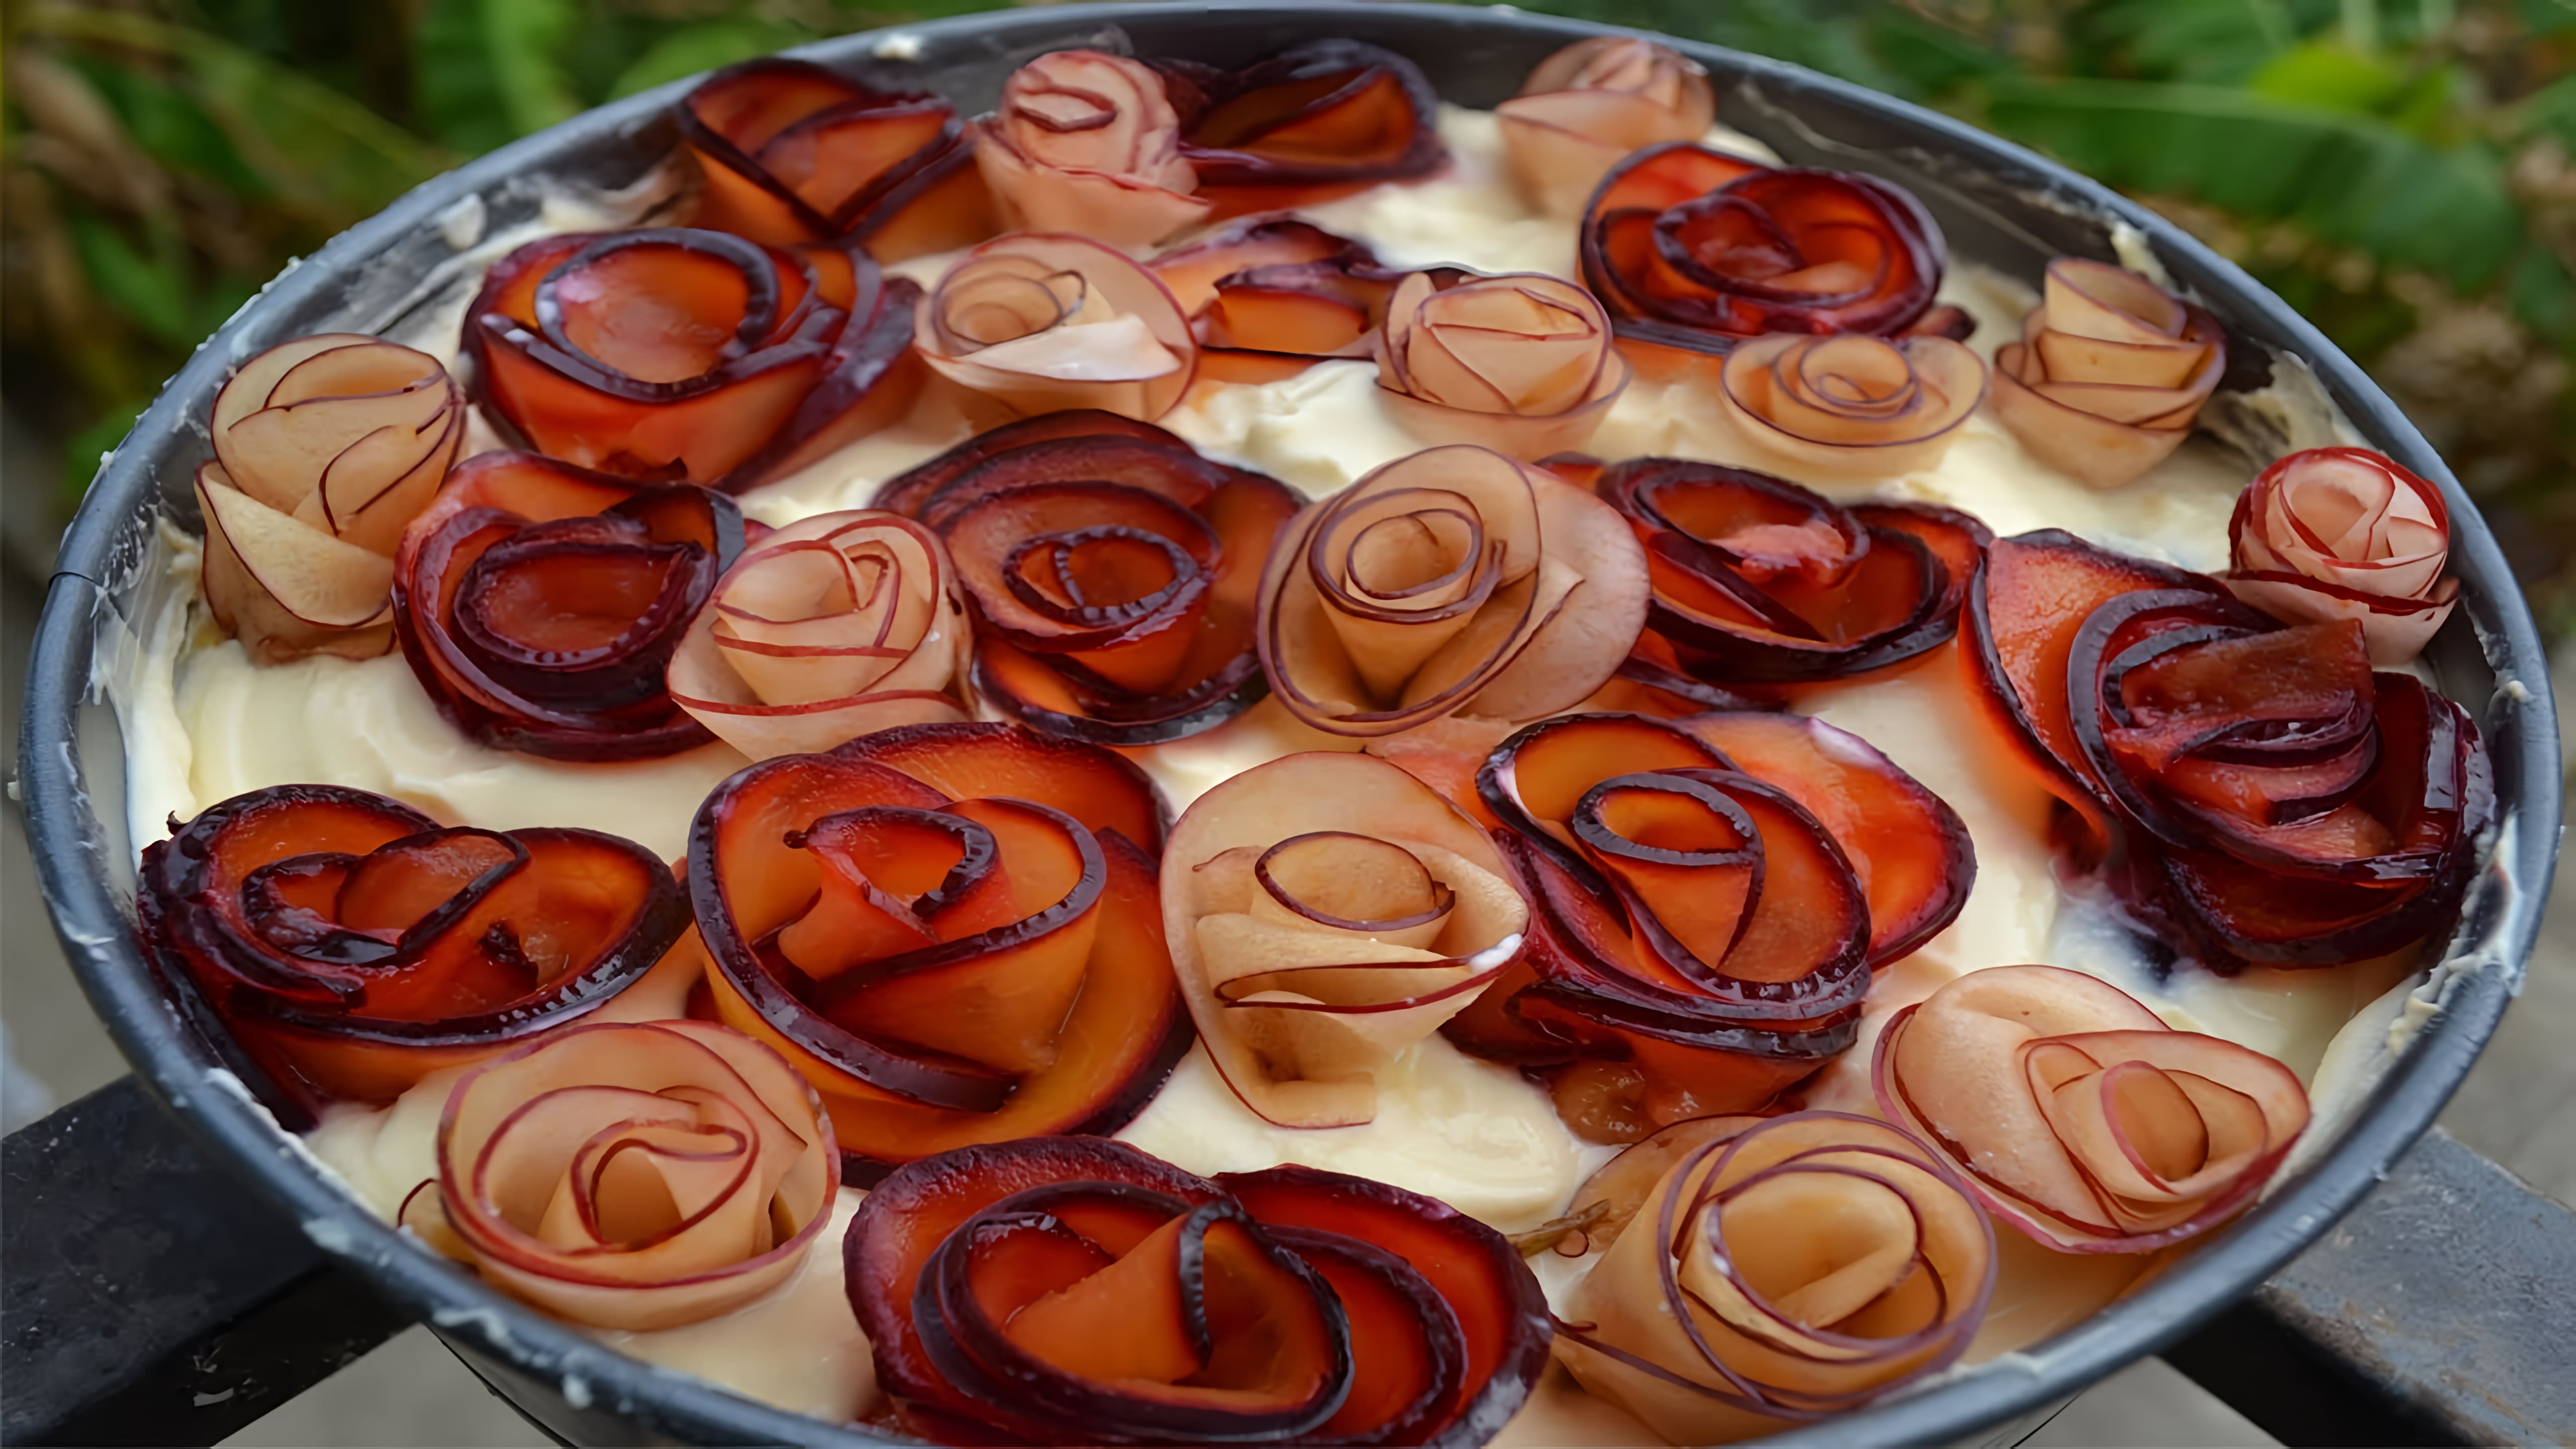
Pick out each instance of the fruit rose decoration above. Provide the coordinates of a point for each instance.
(794, 154)
(826, 629)
(2077, 1116)
(1270, 296)
(949, 929)
(1078, 1291)
(631, 1176)
(1046, 321)
(2279, 802)
(1591, 104)
(1694, 249)
(1454, 579)
(351, 946)
(539, 604)
(1111, 570)
(1702, 938)
(683, 356)
(2346, 533)
(1522, 363)
(1852, 407)
(2108, 374)
(1782, 1271)
(1088, 143)
(325, 448)
(1761, 582)
(1316, 121)
(1326, 912)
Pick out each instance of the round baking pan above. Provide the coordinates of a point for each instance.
(1999, 204)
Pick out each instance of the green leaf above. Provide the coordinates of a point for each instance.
(170, 128)
(525, 40)
(2543, 295)
(148, 285)
(2353, 180)
(694, 48)
(2548, 111)
(2332, 76)
(2218, 41)
(454, 89)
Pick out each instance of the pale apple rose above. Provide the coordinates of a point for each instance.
(632, 1175)
(2109, 373)
(325, 448)
(1594, 102)
(1046, 321)
(830, 628)
(2346, 533)
(1849, 405)
(1089, 143)
(1521, 363)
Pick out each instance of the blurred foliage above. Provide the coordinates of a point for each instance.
(2399, 169)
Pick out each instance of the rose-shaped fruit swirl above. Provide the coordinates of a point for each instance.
(350, 946)
(1695, 249)
(1270, 296)
(1087, 142)
(2257, 784)
(1454, 579)
(1522, 363)
(1588, 106)
(794, 154)
(2079, 1117)
(950, 929)
(1042, 321)
(1313, 122)
(1702, 936)
(691, 356)
(1850, 406)
(325, 448)
(1112, 572)
(824, 630)
(1761, 582)
(538, 604)
(2346, 533)
(2108, 374)
(1078, 1291)
(1326, 912)
(631, 1175)
(1780, 1272)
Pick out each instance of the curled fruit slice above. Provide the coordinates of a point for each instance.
(1695, 249)
(795, 154)
(825, 630)
(1760, 581)
(1041, 321)
(1521, 363)
(1315, 121)
(352, 946)
(1077, 1291)
(1701, 939)
(1783, 1271)
(1591, 104)
(1269, 296)
(2077, 1116)
(2346, 533)
(2279, 802)
(1111, 569)
(1087, 142)
(325, 448)
(966, 962)
(1326, 912)
(690, 356)
(1850, 406)
(632, 1176)
(1451, 579)
(2108, 374)
(538, 604)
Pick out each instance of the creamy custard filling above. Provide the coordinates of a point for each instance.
(1478, 1136)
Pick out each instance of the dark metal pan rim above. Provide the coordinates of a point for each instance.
(2018, 193)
